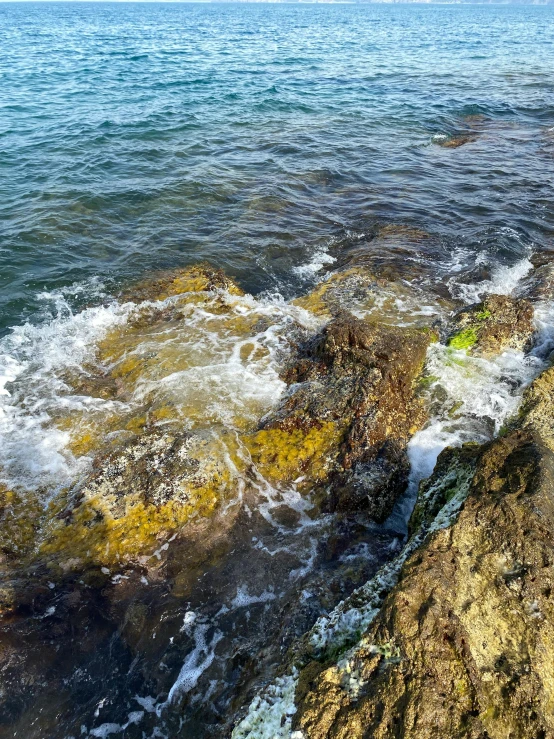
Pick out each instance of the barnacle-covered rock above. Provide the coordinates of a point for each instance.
(137, 495)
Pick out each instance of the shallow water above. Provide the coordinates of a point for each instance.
(275, 141)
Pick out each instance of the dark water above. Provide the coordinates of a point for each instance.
(135, 136)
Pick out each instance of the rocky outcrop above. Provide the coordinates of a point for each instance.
(136, 496)
(133, 567)
(463, 646)
(184, 539)
(349, 414)
(499, 322)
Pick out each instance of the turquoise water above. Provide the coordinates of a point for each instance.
(139, 136)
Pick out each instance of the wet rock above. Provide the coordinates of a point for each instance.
(455, 141)
(537, 408)
(464, 644)
(349, 414)
(114, 564)
(195, 279)
(453, 472)
(136, 496)
(132, 380)
(538, 285)
(497, 323)
(20, 517)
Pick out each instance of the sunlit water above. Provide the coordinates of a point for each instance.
(139, 135)
(273, 141)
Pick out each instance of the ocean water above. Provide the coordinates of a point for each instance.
(276, 141)
(136, 136)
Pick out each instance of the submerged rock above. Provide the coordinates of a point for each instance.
(198, 278)
(382, 277)
(498, 323)
(455, 141)
(348, 415)
(463, 646)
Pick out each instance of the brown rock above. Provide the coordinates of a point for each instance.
(499, 322)
(352, 404)
(464, 644)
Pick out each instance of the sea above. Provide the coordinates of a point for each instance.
(269, 140)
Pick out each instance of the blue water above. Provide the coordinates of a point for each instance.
(140, 136)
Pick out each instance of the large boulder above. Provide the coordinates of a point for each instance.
(349, 413)
(463, 646)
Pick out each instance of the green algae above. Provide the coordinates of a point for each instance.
(464, 339)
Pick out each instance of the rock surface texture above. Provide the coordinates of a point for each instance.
(464, 644)
(500, 322)
(349, 413)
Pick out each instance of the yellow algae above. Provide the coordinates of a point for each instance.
(146, 362)
(20, 518)
(361, 292)
(114, 520)
(89, 431)
(286, 455)
(137, 424)
(198, 278)
(326, 296)
(93, 534)
(131, 354)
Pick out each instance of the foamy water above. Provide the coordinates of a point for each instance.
(228, 378)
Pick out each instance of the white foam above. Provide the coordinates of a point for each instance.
(32, 358)
(230, 378)
(243, 598)
(195, 664)
(147, 702)
(270, 713)
(504, 279)
(106, 729)
(320, 259)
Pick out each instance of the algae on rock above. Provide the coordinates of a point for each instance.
(498, 323)
(349, 413)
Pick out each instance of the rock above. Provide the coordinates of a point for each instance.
(537, 408)
(382, 277)
(349, 413)
(455, 141)
(538, 284)
(453, 472)
(463, 646)
(136, 496)
(498, 323)
(195, 279)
